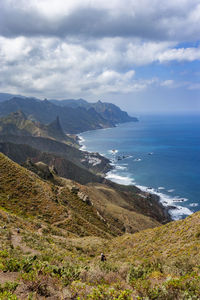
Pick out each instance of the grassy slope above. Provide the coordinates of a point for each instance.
(160, 263)
(25, 194)
(115, 206)
(180, 239)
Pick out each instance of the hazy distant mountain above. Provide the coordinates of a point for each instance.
(73, 120)
(108, 111)
(6, 96)
(72, 103)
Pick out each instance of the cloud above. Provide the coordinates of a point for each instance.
(174, 20)
(181, 54)
(57, 48)
(167, 83)
(54, 67)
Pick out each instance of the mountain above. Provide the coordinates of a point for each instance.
(25, 194)
(129, 200)
(12, 172)
(71, 103)
(21, 153)
(108, 111)
(16, 123)
(112, 112)
(89, 161)
(58, 214)
(74, 115)
(52, 235)
(6, 96)
(72, 120)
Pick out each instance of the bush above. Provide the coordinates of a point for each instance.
(6, 291)
(109, 293)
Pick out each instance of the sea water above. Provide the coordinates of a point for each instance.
(159, 154)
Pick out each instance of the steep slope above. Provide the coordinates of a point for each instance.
(108, 111)
(51, 240)
(132, 210)
(112, 112)
(72, 120)
(25, 194)
(20, 153)
(16, 123)
(82, 159)
(168, 243)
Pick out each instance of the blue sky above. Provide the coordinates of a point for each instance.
(143, 55)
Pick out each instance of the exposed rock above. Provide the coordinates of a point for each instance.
(100, 216)
(84, 198)
(74, 189)
(40, 168)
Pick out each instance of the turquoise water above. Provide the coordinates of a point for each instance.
(160, 154)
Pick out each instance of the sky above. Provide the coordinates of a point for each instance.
(143, 55)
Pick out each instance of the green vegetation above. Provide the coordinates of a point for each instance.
(51, 242)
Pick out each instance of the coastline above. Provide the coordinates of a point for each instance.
(173, 203)
(126, 181)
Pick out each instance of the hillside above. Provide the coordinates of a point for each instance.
(112, 200)
(73, 120)
(55, 253)
(25, 194)
(58, 213)
(20, 153)
(16, 123)
(92, 162)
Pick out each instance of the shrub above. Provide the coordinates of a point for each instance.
(109, 293)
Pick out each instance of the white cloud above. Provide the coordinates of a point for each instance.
(167, 83)
(180, 54)
(57, 48)
(54, 67)
(175, 20)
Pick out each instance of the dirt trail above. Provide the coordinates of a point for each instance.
(17, 242)
(8, 276)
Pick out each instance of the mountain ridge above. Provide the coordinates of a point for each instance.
(73, 120)
(17, 123)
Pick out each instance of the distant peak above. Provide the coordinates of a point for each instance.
(55, 126)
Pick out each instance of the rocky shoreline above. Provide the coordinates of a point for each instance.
(102, 165)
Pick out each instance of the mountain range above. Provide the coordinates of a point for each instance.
(72, 119)
(58, 213)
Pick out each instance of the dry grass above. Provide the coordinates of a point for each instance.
(57, 252)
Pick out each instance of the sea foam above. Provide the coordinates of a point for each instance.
(176, 211)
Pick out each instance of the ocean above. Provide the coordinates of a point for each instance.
(159, 154)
